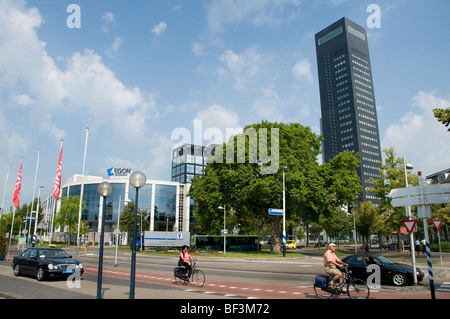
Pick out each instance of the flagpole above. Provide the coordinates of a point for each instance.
(16, 201)
(82, 190)
(32, 200)
(4, 191)
(57, 187)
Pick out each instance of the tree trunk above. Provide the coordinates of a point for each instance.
(275, 243)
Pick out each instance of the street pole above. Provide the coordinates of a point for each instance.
(284, 215)
(105, 189)
(137, 180)
(408, 215)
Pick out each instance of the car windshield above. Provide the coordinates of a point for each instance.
(52, 253)
(384, 260)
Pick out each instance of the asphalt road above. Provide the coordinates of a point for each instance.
(226, 279)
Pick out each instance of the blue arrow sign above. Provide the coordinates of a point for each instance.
(275, 211)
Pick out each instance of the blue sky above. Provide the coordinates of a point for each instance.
(136, 71)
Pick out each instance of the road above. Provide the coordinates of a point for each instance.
(228, 279)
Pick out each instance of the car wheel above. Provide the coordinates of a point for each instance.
(16, 270)
(40, 274)
(399, 279)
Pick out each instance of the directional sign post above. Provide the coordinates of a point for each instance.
(422, 196)
(275, 212)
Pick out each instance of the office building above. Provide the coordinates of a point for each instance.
(167, 205)
(189, 160)
(349, 116)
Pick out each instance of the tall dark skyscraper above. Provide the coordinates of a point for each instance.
(349, 115)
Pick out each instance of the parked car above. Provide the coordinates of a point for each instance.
(291, 244)
(390, 272)
(46, 263)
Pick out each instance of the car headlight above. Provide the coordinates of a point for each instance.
(51, 266)
(80, 265)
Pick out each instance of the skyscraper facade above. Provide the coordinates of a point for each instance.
(349, 116)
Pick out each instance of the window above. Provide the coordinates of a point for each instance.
(330, 36)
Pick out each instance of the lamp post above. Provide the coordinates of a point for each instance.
(284, 214)
(105, 189)
(224, 230)
(137, 180)
(408, 215)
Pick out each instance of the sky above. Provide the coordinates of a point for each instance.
(139, 72)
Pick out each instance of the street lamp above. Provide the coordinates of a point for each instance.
(224, 230)
(408, 214)
(137, 180)
(105, 189)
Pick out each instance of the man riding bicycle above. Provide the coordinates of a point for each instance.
(331, 262)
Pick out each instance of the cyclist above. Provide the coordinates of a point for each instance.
(331, 262)
(185, 260)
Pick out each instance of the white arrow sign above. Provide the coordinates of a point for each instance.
(425, 195)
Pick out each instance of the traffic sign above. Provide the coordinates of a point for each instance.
(420, 195)
(437, 223)
(410, 224)
(275, 211)
(224, 231)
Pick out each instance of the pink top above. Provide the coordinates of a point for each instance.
(329, 257)
(185, 257)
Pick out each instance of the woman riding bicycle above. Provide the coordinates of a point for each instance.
(185, 260)
(331, 262)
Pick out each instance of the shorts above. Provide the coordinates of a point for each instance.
(332, 270)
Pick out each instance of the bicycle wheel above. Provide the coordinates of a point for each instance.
(198, 278)
(181, 280)
(358, 289)
(322, 294)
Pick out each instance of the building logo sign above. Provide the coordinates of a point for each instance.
(118, 171)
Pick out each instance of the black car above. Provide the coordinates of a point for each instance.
(46, 263)
(390, 272)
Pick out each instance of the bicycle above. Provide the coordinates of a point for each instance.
(197, 276)
(356, 288)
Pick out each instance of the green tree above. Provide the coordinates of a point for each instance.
(67, 216)
(392, 176)
(443, 116)
(127, 219)
(235, 177)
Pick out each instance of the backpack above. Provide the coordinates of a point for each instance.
(321, 281)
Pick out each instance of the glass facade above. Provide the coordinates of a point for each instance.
(349, 116)
(189, 161)
(165, 202)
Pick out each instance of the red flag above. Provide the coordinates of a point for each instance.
(57, 188)
(16, 197)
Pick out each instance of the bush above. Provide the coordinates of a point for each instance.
(2, 245)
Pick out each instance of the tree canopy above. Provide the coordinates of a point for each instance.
(246, 175)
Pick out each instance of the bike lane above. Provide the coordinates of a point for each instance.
(258, 291)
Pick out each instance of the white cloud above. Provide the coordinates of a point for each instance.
(302, 70)
(197, 49)
(114, 47)
(268, 106)
(215, 124)
(108, 21)
(245, 65)
(86, 87)
(420, 137)
(159, 28)
(255, 12)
